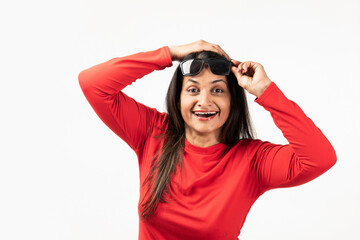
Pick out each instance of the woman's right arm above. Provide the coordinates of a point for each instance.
(102, 85)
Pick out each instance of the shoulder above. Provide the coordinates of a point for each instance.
(249, 143)
(251, 146)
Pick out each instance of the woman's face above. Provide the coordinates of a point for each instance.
(205, 103)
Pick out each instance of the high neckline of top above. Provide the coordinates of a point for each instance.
(208, 150)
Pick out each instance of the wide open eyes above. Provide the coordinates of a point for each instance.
(214, 90)
(193, 90)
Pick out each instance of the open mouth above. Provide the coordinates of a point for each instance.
(205, 115)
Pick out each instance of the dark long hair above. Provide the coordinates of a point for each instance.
(238, 126)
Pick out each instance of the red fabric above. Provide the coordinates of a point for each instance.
(213, 194)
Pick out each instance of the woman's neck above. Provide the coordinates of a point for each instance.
(201, 140)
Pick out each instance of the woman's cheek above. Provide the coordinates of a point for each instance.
(186, 105)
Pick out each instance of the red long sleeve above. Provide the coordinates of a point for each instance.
(102, 85)
(212, 195)
(308, 154)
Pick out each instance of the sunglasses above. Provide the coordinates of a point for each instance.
(217, 66)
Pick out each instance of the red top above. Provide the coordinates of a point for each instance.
(213, 194)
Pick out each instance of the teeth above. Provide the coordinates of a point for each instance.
(205, 112)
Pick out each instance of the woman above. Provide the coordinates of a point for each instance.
(200, 168)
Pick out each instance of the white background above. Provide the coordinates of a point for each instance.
(65, 175)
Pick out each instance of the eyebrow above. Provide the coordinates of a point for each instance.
(215, 81)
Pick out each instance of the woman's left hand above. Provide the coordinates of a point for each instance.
(251, 76)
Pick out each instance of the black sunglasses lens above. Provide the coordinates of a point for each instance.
(192, 66)
(220, 66)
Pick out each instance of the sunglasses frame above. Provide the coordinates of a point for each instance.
(203, 61)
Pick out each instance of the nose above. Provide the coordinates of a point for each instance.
(205, 99)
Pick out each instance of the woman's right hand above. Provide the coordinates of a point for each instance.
(180, 51)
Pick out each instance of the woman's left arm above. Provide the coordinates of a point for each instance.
(308, 154)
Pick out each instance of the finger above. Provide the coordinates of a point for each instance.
(241, 66)
(235, 62)
(242, 79)
(221, 51)
(213, 47)
(253, 66)
(240, 69)
(224, 53)
(237, 74)
(236, 71)
(248, 65)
